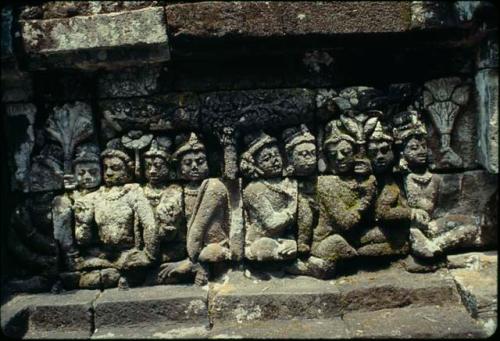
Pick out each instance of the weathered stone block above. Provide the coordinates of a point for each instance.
(245, 300)
(431, 14)
(413, 322)
(93, 41)
(53, 315)
(236, 20)
(159, 113)
(17, 90)
(158, 304)
(175, 330)
(333, 328)
(256, 108)
(393, 288)
(486, 81)
(66, 9)
(476, 275)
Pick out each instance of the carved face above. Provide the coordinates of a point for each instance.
(269, 160)
(116, 171)
(156, 169)
(303, 158)
(194, 166)
(340, 156)
(88, 174)
(381, 155)
(415, 152)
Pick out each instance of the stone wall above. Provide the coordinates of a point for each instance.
(147, 142)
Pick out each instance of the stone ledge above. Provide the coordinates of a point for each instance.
(154, 331)
(96, 41)
(158, 304)
(414, 322)
(53, 315)
(253, 19)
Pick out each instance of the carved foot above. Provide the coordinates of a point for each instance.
(123, 284)
(202, 275)
(421, 246)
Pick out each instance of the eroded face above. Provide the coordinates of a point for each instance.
(269, 161)
(156, 170)
(415, 152)
(194, 166)
(88, 174)
(115, 171)
(381, 156)
(303, 158)
(340, 156)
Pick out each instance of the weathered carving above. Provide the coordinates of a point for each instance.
(391, 214)
(443, 99)
(31, 244)
(270, 203)
(429, 237)
(127, 236)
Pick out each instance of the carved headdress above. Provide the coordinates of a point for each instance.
(380, 134)
(193, 144)
(114, 148)
(407, 124)
(87, 153)
(297, 135)
(334, 135)
(254, 142)
(159, 147)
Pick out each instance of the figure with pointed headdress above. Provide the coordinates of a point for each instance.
(429, 236)
(391, 214)
(87, 173)
(127, 240)
(301, 159)
(270, 202)
(207, 203)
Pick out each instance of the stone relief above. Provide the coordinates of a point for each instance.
(304, 196)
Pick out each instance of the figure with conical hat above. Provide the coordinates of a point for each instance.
(166, 200)
(391, 214)
(208, 210)
(300, 147)
(127, 240)
(269, 202)
(429, 236)
(86, 179)
(343, 200)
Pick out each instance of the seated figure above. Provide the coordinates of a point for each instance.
(269, 202)
(167, 204)
(343, 201)
(391, 214)
(116, 224)
(429, 236)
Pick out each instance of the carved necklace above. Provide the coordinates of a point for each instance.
(112, 194)
(153, 194)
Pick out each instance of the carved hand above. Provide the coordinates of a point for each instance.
(69, 181)
(420, 218)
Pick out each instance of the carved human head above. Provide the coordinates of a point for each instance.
(118, 167)
(262, 157)
(192, 159)
(339, 149)
(157, 162)
(87, 167)
(410, 136)
(301, 151)
(380, 150)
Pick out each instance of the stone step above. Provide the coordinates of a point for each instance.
(68, 314)
(408, 322)
(239, 298)
(149, 305)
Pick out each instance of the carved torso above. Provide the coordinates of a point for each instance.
(267, 203)
(422, 191)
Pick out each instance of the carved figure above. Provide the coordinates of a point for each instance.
(300, 146)
(127, 236)
(391, 213)
(270, 203)
(429, 237)
(86, 179)
(31, 244)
